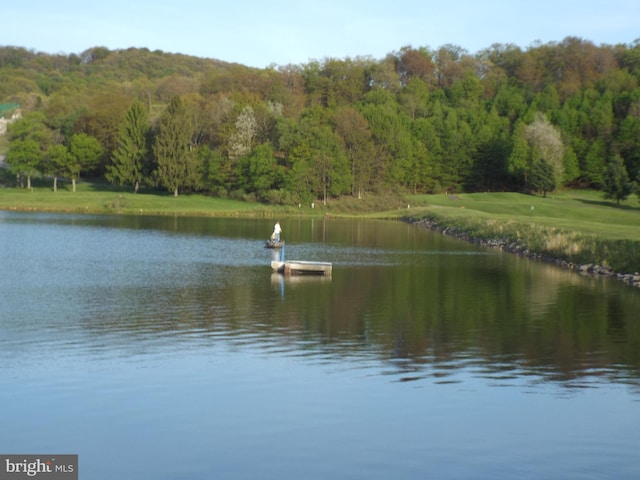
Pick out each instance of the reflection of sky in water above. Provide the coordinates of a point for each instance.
(357, 256)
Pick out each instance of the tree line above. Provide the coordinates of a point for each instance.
(419, 120)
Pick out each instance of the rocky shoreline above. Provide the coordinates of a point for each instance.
(631, 279)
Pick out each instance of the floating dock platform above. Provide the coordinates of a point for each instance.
(302, 267)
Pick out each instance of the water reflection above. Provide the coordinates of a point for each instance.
(417, 305)
(420, 357)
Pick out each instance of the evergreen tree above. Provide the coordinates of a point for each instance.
(129, 162)
(542, 177)
(517, 163)
(177, 164)
(594, 167)
(617, 185)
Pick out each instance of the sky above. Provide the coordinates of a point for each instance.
(259, 33)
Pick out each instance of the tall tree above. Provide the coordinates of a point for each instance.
(242, 139)
(617, 185)
(594, 164)
(24, 157)
(414, 98)
(415, 64)
(84, 154)
(216, 169)
(102, 120)
(177, 165)
(258, 171)
(129, 162)
(545, 144)
(543, 135)
(458, 146)
(56, 160)
(542, 177)
(28, 138)
(316, 163)
(518, 162)
(627, 138)
(352, 128)
(331, 166)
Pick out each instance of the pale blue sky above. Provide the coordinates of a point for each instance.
(262, 32)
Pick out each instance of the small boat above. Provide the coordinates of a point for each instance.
(302, 267)
(273, 244)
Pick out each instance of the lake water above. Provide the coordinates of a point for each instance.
(165, 348)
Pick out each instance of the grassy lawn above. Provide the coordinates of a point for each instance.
(95, 198)
(577, 226)
(584, 211)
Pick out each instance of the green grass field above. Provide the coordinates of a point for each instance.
(96, 198)
(584, 211)
(577, 226)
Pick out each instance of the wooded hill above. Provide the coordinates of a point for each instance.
(418, 120)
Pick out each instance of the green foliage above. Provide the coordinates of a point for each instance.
(542, 177)
(130, 162)
(419, 120)
(258, 171)
(24, 157)
(627, 137)
(617, 185)
(56, 162)
(84, 152)
(178, 166)
(594, 164)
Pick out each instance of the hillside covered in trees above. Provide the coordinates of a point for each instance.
(418, 121)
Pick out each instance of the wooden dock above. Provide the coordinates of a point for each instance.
(302, 267)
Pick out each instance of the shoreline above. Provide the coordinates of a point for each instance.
(512, 247)
(591, 269)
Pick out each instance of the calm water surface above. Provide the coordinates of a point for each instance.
(165, 348)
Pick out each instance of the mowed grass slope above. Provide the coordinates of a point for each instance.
(577, 226)
(96, 198)
(584, 211)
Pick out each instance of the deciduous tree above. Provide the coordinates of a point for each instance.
(242, 139)
(24, 157)
(353, 129)
(28, 138)
(56, 161)
(84, 154)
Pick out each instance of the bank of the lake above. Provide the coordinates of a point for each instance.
(574, 229)
(577, 230)
(519, 248)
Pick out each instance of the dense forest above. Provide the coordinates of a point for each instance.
(419, 120)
